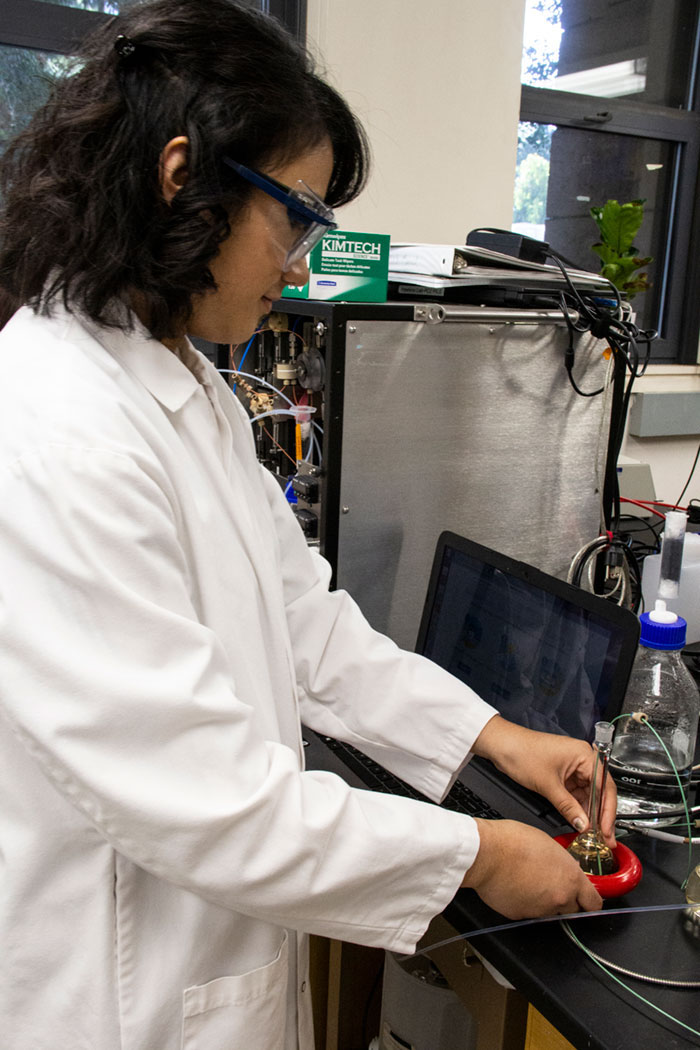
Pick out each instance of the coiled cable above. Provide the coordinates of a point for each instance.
(667, 981)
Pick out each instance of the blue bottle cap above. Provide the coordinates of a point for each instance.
(655, 635)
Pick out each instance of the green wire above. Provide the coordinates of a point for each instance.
(685, 803)
(645, 721)
(627, 988)
(600, 965)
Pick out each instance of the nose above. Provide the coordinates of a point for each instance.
(298, 272)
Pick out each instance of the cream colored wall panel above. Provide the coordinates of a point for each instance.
(437, 86)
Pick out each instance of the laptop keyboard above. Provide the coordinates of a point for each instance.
(375, 777)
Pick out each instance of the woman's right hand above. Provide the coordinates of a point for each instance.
(523, 874)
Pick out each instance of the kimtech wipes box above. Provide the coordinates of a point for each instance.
(352, 267)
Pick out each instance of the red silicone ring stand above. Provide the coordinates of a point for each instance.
(627, 876)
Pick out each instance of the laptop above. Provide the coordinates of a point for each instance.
(545, 654)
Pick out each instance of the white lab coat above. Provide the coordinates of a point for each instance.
(163, 627)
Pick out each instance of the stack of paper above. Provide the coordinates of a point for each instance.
(437, 265)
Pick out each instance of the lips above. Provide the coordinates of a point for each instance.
(273, 297)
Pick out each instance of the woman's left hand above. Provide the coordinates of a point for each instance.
(558, 767)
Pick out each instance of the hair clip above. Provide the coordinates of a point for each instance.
(124, 47)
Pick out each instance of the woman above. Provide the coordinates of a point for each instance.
(164, 626)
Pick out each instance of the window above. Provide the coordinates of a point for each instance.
(37, 38)
(609, 109)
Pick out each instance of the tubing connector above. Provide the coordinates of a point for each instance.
(660, 614)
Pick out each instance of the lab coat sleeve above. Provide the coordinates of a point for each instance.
(126, 703)
(398, 707)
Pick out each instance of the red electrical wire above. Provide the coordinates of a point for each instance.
(646, 506)
(659, 503)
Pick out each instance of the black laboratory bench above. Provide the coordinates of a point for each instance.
(586, 1006)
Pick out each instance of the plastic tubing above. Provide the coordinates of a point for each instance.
(667, 836)
(296, 411)
(257, 379)
(672, 554)
(604, 913)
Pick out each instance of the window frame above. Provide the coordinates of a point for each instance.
(681, 276)
(52, 27)
(45, 26)
(291, 13)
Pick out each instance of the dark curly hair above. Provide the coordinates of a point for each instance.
(83, 217)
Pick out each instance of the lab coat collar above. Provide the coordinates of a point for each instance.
(171, 379)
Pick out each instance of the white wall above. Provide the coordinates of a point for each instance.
(437, 85)
(670, 458)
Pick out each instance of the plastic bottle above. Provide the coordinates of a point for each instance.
(688, 602)
(662, 695)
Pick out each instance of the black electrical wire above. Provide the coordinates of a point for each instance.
(645, 548)
(692, 471)
(628, 587)
(624, 339)
(618, 415)
(635, 577)
(570, 352)
(631, 351)
(635, 552)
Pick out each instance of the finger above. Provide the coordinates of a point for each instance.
(588, 897)
(570, 809)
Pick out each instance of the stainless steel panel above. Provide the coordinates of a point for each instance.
(470, 427)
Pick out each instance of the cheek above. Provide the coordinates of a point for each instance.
(225, 266)
(245, 262)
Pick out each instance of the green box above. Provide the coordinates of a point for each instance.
(352, 267)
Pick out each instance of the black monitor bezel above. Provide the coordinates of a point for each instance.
(608, 612)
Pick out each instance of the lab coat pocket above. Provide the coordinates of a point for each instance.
(238, 1013)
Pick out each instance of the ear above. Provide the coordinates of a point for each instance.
(172, 167)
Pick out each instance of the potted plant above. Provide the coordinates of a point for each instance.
(618, 225)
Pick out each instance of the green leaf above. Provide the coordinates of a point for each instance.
(625, 268)
(619, 223)
(604, 251)
(611, 271)
(639, 284)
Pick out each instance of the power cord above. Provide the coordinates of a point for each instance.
(622, 574)
(630, 349)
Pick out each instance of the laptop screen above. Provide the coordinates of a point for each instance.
(544, 653)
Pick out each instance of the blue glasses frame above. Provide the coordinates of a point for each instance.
(319, 219)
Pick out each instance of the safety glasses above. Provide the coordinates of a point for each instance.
(309, 217)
